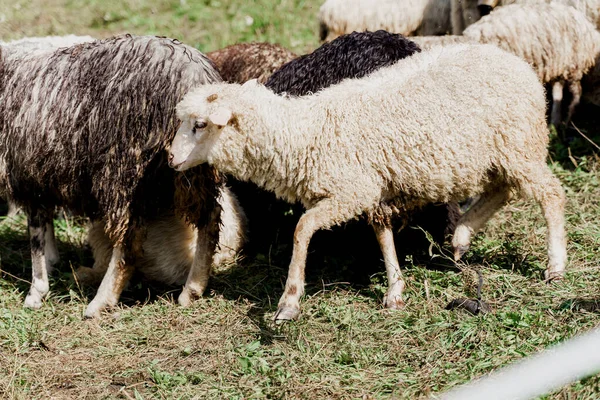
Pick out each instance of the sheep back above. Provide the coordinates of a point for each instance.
(244, 61)
(557, 40)
(86, 127)
(428, 42)
(29, 45)
(349, 56)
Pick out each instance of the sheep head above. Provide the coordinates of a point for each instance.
(206, 117)
(195, 138)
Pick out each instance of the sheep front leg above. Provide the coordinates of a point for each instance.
(322, 216)
(38, 221)
(393, 297)
(206, 244)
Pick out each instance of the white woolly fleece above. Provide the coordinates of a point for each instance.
(431, 128)
(407, 17)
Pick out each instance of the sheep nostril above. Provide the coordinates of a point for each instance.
(484, 9)
(170, 160)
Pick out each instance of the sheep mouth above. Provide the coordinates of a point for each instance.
(177, 166)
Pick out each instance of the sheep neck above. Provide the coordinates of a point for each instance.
(274, 147)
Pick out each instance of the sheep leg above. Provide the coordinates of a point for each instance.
(117, 275)
(102, 249)
(13, 209)
(575, 89)
(38, 221)
(120, 269)
(321, 216)
(557, 95)
(206, 244)
(476, 217)
(51, 250)
(550, 195)
(393, 296)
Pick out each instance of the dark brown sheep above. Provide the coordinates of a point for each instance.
(241, 62)
(86, 128)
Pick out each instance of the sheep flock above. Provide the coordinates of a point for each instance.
(430, 113)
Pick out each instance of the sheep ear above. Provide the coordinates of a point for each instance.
(251, 82)
(220, 117)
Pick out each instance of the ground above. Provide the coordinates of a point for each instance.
(345, 345)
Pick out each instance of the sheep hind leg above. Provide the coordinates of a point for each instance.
(476, 217)
(549, 194)
(206, 245)
(557, 96)
(321, 216)
(393, 296)
(38, 221)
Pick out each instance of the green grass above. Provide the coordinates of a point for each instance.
(345, 345)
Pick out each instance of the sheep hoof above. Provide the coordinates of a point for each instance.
(187, 297)
(554, 276)
(396, 304)
(286, 313)
(459, 251)
(33, 301)
(93, 310)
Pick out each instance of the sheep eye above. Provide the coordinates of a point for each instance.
(199, 125)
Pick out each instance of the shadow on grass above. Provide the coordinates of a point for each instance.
(347, 257)
(581, 304)
(508, 255)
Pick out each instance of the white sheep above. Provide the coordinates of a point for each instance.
(591, 8)
(29, 45)
(170, 245)
(439, 126)
(557, 40)
(407, 17)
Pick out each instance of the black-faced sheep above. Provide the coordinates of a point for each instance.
(86, 128)
(406, 135)
(407, 17)
(557, 40)
(244, 61)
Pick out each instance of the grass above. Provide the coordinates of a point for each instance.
(345, 345)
